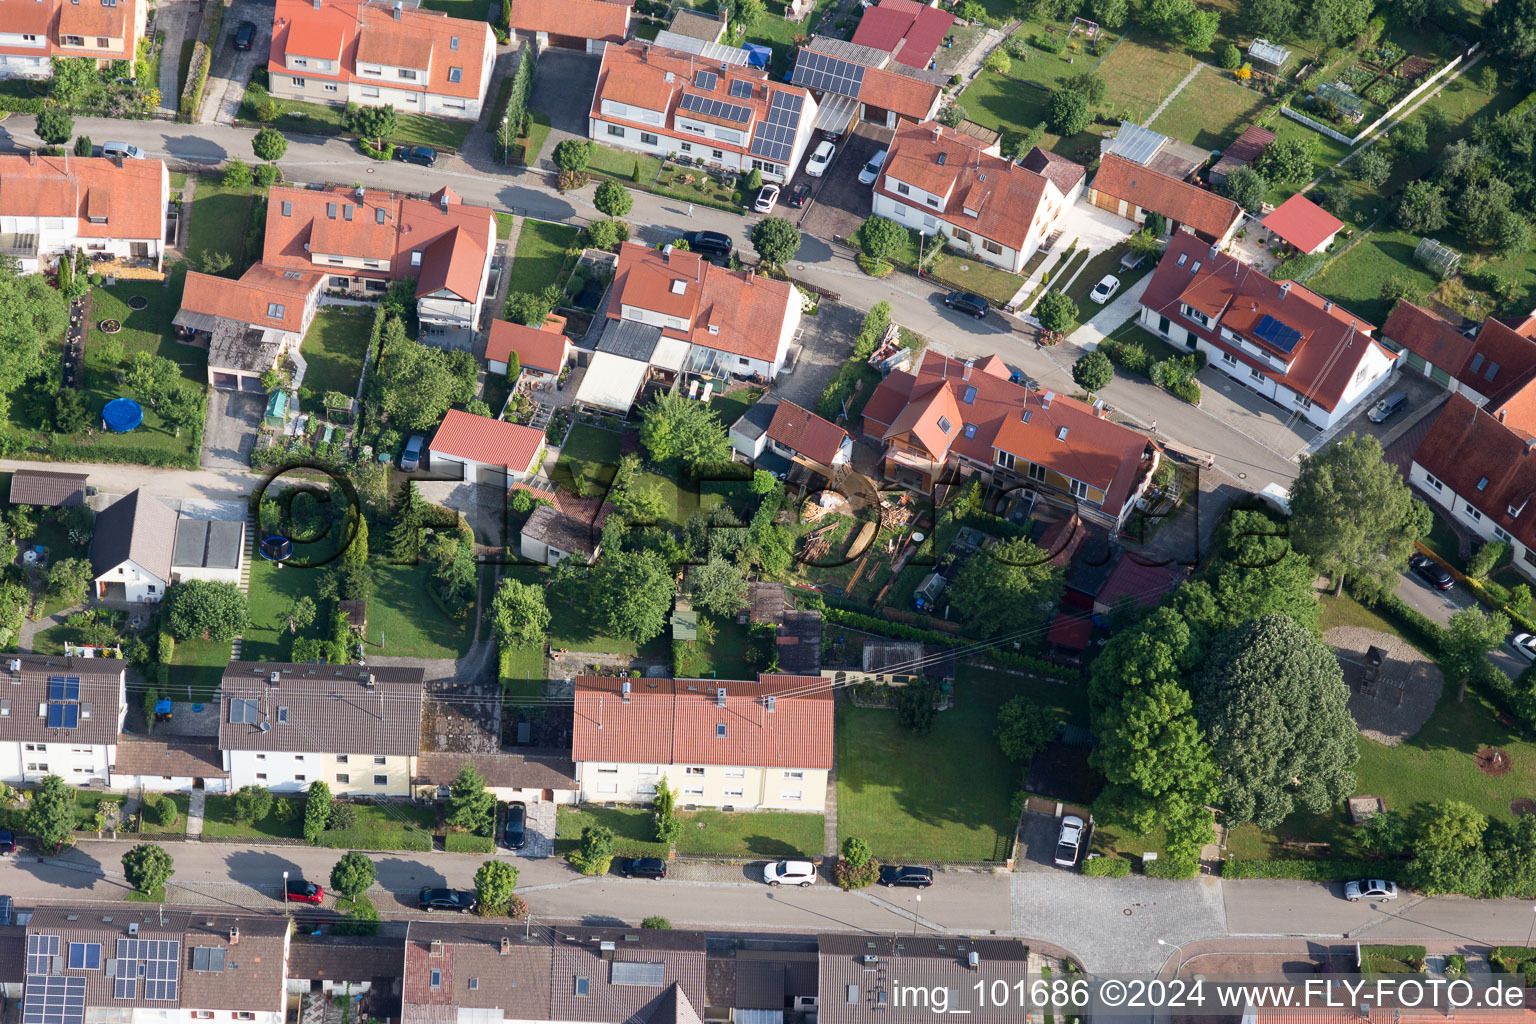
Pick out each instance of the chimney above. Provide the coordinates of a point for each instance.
(1501, 415)
(443, 199)
(399, 6)
(605, 950)
(1100, 409)
(15, 664)
(1327, 306)
(645, 53)
(1530, 443)
(937, 131)
(773, 701)
(437, 949)
(1214, 250)
(1285, 289)
(371, 682)
(1046, 399)
(506, 942)
(719, 696)
(234, 935)
(973, 958)
(626, 691)
(966, 373)
(666, 253)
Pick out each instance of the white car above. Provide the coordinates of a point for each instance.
(1105, 289)
(1370, 889)
(1069, 840)
(871, 170)
(816, 166)
(1524, 645)
(767, 199)
(790, 872)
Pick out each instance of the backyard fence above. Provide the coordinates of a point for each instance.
(1392, 111)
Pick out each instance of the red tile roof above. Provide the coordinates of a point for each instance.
(1427, 335)
(589, 19)
(911, 32)
(803, 431)
(250, 299)
(1066, 173)
(676, 721)
(1499, 362)
(1303, 223)
(131, 197)
(53, 19)
(910, 97)
(1206, 212)
(1005, 197)
(1468, 447)
(348, 31)
(537, 348)
(746, 309)
(1333, 340)
(1072, 631)
(1245, 149)
(1095, 451)
(487, 441)
(1136, 581)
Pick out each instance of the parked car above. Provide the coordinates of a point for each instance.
(1431, 572)
(799, 195)
(1387, 407)
(1370, 889)
(907, 875)
(424, 155)
(641, 867)
(965, 302)
(816, 166)
(300, 891)
(245, 35)
(124, 150)
(871, 170)
(515, 833)
(410, 459)
(1105, 289)
(446, 899)
(790, 872)
(7, 841)
(1069, 840)
(1524, 645)
(767, 199)
(709, 243)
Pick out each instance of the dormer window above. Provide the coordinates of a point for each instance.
(455, 74)
(1514, 513)
(275, 310)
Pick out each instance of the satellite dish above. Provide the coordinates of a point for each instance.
(266, 726)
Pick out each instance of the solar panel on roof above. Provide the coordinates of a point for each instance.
(774, 139)
(710, 107)
(63, 716)
(63, 687)
(157, 962)
(649, 975)
(53, 999)
(207, 958)
(741, 89)
(85, 956)
(1276, 333)
(5, 910)
(827, 74)
(41, 949)
(705, 80)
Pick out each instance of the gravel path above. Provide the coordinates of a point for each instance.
(1382, 717)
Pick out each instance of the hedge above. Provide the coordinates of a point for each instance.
(1335, 869)
(30, 446)
(1403, 953)
(197, 81)
(387, 152)
(516, 109)
(22, 104)
(1509, 958)
(465, 842)
(1169, 867)
(373, 839)
(1107, 867)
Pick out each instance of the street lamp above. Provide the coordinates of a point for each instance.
(1532, 933)
(1176, 947)
(914, 914)
(284, 895)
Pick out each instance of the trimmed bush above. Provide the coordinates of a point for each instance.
(1107, 867)
(1169, 867)
(1327, 870)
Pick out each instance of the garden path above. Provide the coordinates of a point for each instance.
(1176, 90)
(196, 804)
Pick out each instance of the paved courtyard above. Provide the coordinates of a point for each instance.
(1054, 906)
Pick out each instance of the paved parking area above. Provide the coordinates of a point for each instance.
(538, 830)
(1038, 852)
(1053, 906)
(1281, 432)
(826, 341)
(1422, 393)
(840, 203)
(229, 430)
(563, 90)
(232, 69)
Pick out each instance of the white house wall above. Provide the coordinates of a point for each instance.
(280, 772)
(163, 783)
(1469, 518)
(789, 789)
(76, 764)
(138, 582)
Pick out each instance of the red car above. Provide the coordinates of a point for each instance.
(300, 891)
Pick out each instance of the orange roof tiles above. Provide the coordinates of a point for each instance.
(542, 348)
(251, 300)
(1303, 223)
(803, 431)
(93, 18)
(89, 19)
(130, 196)
(588, 19)
(487, 441)
(1003, 196)
(910, 97)
(677, 721)
(1427, 335)
(349, 31)
(1179, 201)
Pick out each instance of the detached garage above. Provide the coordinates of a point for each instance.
(481, 450)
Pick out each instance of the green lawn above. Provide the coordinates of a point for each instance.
(469, 10)
(219, 216)
(974, 276)
(1211, 111)
(752, 834)
(1327, 153)
(403, 620)
(144, 330)
(301, 118)
(540, 256)
(1141, 72)
(150, 827)
(944, 796)
(274, 588)
(1005, 104)
(334, 349)
(726, 658)
(572, 629)
(85, 807)
(386, 826)
(1355, 279)
(522, 672)
(197, 668)
(219, 820)
(504, 222)
(1106, 262)
(1070, 701)
(590, 456)
(730, 407)
(689, 184)
(634, 828)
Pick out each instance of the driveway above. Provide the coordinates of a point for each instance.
(229, 433)
(1440, 605)
(1038, 852)
(839, 203)
(562, 89)
(232, 69)
(826, 341)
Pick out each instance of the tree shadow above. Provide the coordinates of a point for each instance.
(770, 846)
(404, 878)
(72, 869)
(262, 870)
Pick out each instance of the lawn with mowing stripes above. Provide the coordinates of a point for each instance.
(540, 256)
(1212, 110)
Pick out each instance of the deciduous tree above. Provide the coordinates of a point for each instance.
(252, 804)
(494, 882)
(1005, 587)
(1448, 852)
(1056, 312)
(1246, 188)
(1024, 728)
(673, 429)
(204, 609)
(1093, 371)
(31, 312)
(69, 579)
(1422, 208)
(353, 874)
(631, 593)
(51, 816)
(148, 867)
(519, 614)
(269, 145)
(613, 199)
(776, 240)
(718, 587)
(1068, 113)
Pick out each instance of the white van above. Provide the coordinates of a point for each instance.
(122, 149)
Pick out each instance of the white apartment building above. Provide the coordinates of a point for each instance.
(60, 716)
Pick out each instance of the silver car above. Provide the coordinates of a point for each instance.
(1069, 840)
(790, 872)
(1370, 889)
(871, 170)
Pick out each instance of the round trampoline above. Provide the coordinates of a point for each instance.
(121, 415)
(275, 549)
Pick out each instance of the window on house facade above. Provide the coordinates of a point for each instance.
(648, 139)
(960, 234)
(298, 83)
(617, 131)
(381, 780)
(1005, 459)
(991, 246)
(687, 147)
(1501, 534)
(1036, 471)
(380, 759)
(693, 771)
(1078, 488)
(903, 189)
(329, 86)
(1472, 513)
(343, 779)
(736, 794)
(932, 201)
(407, 74)
(1432, 482)
(1229, 358)
(794, 775)
(718, 154)
(791, 795)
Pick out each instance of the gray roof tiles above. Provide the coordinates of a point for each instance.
(322, 708)
(39, 487)
(23, 692)
(137, 527)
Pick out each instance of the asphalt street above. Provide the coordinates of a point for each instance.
(1440, 605)
(915, 303)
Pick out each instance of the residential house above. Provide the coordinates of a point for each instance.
(363, 239)
(523, 775)
(618, 974)
(146, 965)
(909, 31)
(728, 117)
(806, 439)
(581, 25)
(541, 351)
(706, 28)
(1245, 149)
(345, 966)
(959, 419)
(553, 533)
(481, 450)
(1132, 191)
(1303, 225)
(47, 490)
(356, 728)
(141, 546)
(1487, 364)
(109, 208)
(945, 182)
(1147, 148)
(751, 746)
(33, 32)
(174, 764)
(851, 81)
(60, 716)
(749, 434)
(631, 358)
(1285, 342)
(910, 979)
(249, 325)
(416, 60)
